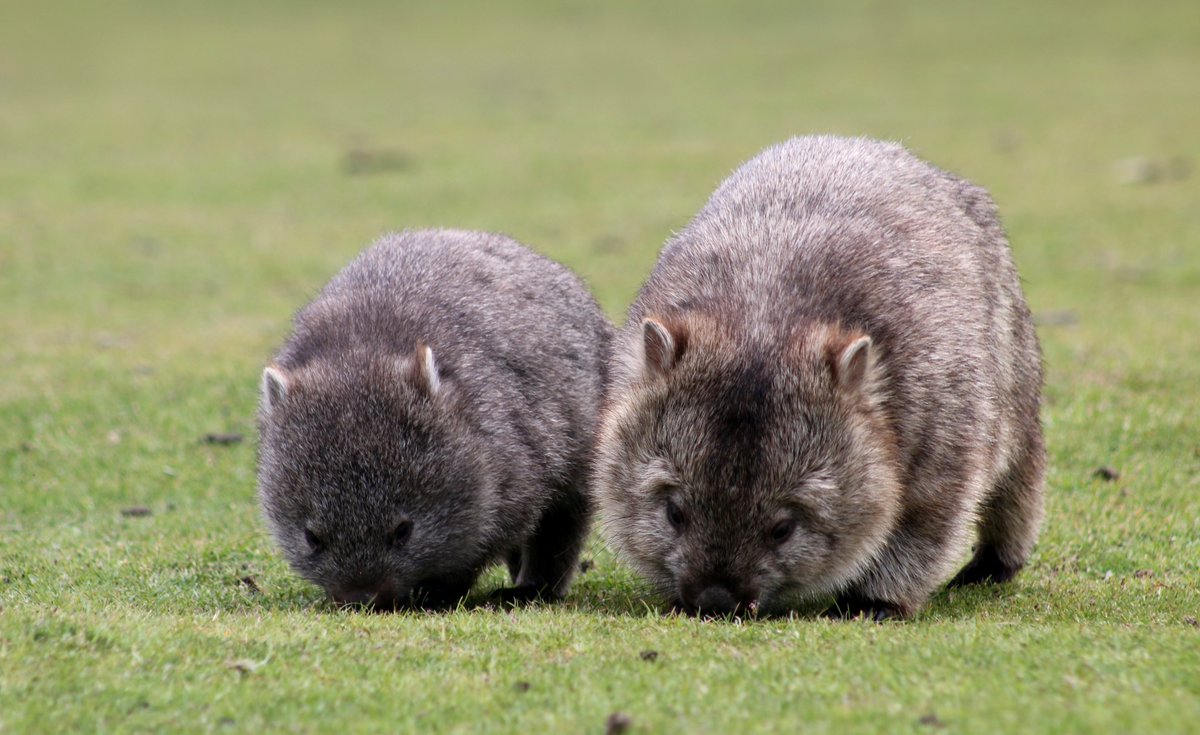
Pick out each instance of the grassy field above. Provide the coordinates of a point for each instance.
(177, 178)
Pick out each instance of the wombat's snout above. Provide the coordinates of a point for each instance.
(718, 600)
(378, 596)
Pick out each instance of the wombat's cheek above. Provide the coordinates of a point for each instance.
(808, 569)
(303, 565)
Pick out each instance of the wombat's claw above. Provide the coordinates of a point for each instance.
(520, 595)
(886, 613)
(985, 566)
(853, 609)
(749, 612)
(436, 595)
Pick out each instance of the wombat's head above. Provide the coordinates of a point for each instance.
(730, 473)
(368, 481)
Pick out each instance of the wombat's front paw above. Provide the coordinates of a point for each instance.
(985, 566)
(521, 595)
(438, 595)
(848, 607)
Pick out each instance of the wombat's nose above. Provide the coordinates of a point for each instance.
(381, 596)
(361, 597)
(715, 600)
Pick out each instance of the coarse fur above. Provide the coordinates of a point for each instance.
(829, 379)
(432, 412)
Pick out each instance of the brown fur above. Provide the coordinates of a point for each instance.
(828, 381)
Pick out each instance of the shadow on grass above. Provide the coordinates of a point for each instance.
(633, 603)
(604, 590)
(967, 602)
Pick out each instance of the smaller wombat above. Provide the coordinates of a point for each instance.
(432, 412)
(830, 378)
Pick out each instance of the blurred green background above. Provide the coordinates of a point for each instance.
(177, 178)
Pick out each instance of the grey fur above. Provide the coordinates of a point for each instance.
(835, 350)
(433, 411)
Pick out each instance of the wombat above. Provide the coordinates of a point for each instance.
(829, 379)
(433, 411)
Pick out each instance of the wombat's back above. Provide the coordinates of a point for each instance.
(836, 242)
(458, 286)
(861, 232)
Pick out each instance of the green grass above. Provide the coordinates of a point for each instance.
(176, 178)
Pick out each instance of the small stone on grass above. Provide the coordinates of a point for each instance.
(223, 439)
(617, 723)
(931, 720)
(360, 161)
(1056, 318)
(244, 666)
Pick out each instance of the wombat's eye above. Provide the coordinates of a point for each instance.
(401, 532)
(313, 540)
(674, 515)
(782, 531)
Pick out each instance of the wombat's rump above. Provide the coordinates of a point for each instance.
(432, 412)
(829, 379)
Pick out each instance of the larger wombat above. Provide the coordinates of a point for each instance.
(830, 378)
(433, 411)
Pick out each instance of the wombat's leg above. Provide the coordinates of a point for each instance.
(513, 561)
(1010, 520)
(848, 606)
(900, 579)
(549, 559)
(928, 539)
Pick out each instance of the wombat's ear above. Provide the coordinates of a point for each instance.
(853, 364)
(664, 342)
(274, 387)
(421, 370)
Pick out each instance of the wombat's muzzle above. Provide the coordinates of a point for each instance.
(717, 600)
(380, 597)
